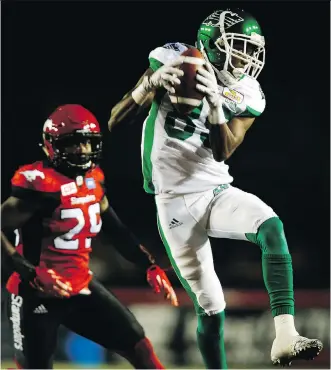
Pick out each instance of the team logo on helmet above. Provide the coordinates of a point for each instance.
(230, 19)
(49, 125)
(88, 126)
(68, 126)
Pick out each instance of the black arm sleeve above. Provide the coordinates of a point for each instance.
(35, 198)
(28, 195)
(16, 216)
(124, 240)
(23, 267)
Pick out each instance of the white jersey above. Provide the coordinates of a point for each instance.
(176, 153)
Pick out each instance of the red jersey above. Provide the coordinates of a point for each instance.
(60, 234)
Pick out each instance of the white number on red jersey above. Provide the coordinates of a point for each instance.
(66, 241)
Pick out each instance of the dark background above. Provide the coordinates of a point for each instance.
(92, 53)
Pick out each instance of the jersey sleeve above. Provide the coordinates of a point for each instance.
(29, 183)
(254, 100)
(165, 54)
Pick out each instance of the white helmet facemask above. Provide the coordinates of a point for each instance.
(226, 43)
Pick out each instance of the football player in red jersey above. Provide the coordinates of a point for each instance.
(59, 206)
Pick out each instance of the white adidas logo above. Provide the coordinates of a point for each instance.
(40, 309)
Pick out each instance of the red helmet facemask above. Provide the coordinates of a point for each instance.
(68, 125)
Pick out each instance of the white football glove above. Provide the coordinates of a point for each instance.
(208, 85)
(165, 77)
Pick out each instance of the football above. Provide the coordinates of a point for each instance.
(186, 96)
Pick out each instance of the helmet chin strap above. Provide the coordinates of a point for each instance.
(44, 149)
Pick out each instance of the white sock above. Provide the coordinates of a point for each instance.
(284, 325)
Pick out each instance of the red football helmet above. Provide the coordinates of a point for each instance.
(68, 125)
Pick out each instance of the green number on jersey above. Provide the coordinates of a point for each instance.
(185, 126)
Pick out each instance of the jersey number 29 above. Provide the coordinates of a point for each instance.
(66, 241)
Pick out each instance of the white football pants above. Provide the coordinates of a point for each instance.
(185, 222)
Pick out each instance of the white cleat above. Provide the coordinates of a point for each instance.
(285, 350)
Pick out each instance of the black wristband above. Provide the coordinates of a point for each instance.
(23, 267)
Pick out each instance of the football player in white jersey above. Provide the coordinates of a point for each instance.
(183, 166)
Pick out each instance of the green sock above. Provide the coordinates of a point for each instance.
(276, 265)
(210, 334)
(278, 279)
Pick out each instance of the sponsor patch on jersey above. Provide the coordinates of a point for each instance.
(82, 200)
(32, 175)
(231, 105)
(68, 189)
(233, 95)
(90, 183)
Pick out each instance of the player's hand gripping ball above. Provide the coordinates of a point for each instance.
(158, 280)
(186, 97)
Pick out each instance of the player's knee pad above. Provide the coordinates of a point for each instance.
(208, 292)
(201, 281)
(211, 301)
(271, 237)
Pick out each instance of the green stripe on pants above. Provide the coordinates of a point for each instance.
(185, 284)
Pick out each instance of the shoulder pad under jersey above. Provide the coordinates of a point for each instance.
(165, 54)
(35, 176)
(254, 100)
(98, 175)
(245, 98)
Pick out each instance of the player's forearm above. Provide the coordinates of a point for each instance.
(14, 213)
(125, 242)
(17, 262)
(126, 110)
(223, 142)
(133, 103)
(7, 245)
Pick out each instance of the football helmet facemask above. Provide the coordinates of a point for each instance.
(72, 125)
(225, 35)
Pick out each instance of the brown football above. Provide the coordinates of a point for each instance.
(186, 96)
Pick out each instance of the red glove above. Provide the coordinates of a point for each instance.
(50, 283)
(158, 280)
